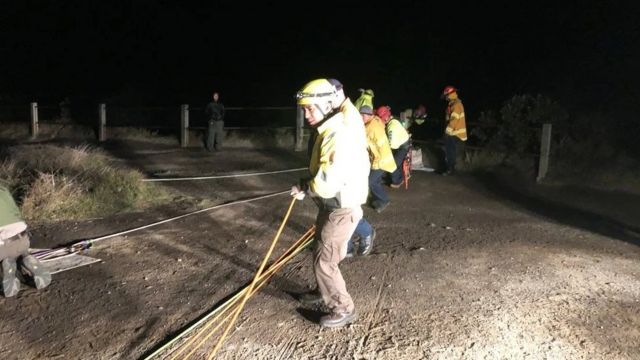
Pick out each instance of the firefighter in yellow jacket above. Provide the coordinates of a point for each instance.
(380, 155)
(456, 129)
(339, 170)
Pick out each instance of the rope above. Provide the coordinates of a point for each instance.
(85, 244)
(253, 283)
(300, 244)
(224, 176)
(296, 248)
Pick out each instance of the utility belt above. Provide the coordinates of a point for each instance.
(330, 204)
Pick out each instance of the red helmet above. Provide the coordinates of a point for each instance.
(448, 90)
(384, 113)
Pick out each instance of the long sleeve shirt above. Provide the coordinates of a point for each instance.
(215, 111)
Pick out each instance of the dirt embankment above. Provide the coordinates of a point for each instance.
(463, 267)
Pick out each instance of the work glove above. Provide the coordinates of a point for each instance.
(299, 191)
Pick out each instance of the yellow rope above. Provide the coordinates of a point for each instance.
(253, 292)
(300, 244)
(255, 280)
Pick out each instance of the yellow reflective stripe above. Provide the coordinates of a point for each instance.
(456, 115)
(450, 131)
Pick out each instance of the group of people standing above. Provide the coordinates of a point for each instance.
(352, 148)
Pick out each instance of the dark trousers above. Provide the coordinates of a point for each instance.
(215, 134)
(398, 155)
(379, 196)
(451, 144)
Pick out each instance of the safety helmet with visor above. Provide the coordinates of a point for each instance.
(320, 94)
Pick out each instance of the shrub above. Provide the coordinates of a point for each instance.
(516, 128)
(57, 183)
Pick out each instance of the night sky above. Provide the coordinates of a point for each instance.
(584, 54)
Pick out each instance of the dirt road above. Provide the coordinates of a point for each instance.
(464, 267)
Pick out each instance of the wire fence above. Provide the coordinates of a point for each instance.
(183, 120)
(152, 117)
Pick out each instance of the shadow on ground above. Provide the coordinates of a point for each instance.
(559, 204)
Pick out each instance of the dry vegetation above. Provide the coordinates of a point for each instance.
(55, 183)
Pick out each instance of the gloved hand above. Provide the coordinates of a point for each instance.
(297, 192)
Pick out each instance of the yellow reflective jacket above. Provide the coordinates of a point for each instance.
(339, 163)
(397, 134)
(456, 125)
(379, 149)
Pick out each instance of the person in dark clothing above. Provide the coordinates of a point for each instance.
(215, 118)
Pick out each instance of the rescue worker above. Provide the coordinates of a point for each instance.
(366, 98)
(380, 155)
(411, 119)
(215, 112)
(339, 169)
(14, 249)
(456, 130)
(419, 115)
(399, 141)
(364, 233)
(381, 161)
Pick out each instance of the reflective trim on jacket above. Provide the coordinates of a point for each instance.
(456, 124)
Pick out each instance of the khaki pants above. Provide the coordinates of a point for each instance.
(334, 229)
(14, 246)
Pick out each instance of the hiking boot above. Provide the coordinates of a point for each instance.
(334, 319)
(10, 283)
(396, 186)
(366, 244)
(311, 298)
(32, 268)
(381, 207)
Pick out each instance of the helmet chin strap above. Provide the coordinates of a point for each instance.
(326, 116)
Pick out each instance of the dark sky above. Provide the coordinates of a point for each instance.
(165, 52)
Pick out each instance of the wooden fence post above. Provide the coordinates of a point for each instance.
(102, 122)
(184, 125)
(545, 149)
(34, 120)
(299, 128)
